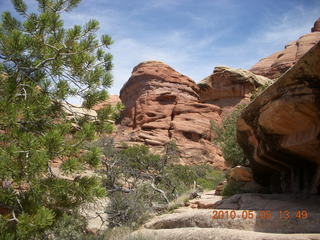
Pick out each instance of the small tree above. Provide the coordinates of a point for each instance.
(226, 138)
(41, 65)
(141, 183)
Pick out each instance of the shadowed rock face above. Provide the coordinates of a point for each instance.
(279, 62)
(162, 105)
(280, 130)
(316, 27)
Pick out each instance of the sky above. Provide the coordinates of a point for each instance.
(192, 36)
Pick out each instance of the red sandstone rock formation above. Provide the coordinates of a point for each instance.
(162, 105)
(316, 27)
(279, 62)
(227, 87)
(280, 130)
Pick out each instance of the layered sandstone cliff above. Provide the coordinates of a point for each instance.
(162, 105)
(227, 87)
(279, 62)
(280, 130)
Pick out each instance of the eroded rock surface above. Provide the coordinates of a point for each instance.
(194, 233)
(226, 82)
(162, 105)
(227, 87)
(280, 130)
(242, 216)
(279, 62)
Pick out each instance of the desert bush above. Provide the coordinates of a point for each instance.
(226, 139)
(67, 227)
(207, 176)
(232, 188)
(129, 209)
(141, 184)
(260, 89)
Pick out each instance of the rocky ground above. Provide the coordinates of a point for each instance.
(210, 217)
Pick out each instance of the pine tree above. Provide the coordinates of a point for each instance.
(42, 64)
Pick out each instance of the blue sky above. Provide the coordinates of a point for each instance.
(193, 36)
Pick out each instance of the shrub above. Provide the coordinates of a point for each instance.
(67, 227)
(232, 188)
(226, 138)
(260, 89)
(141, 183)
(129, 209)
(208, 177)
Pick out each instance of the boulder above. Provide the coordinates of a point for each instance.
(219, 188)
(278, 63)
(279, 131)
(241, 174)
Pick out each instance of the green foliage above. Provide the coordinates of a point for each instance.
(93, 156)
(67, 227)
(208, 177)
(29, 224)
(71, 165)
(107, 116)
(141, 183)
(132, 206)
(41, 65)
(260, 89)
(232, 188)
(226, 138)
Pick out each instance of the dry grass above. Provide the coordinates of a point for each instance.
(122, 233)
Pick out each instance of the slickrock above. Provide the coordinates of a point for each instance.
(207, 200)
(278, 63)
(194, 233)
(247, 216)
(95, 215)
(280, 130)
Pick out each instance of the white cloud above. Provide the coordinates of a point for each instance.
(187, 50)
